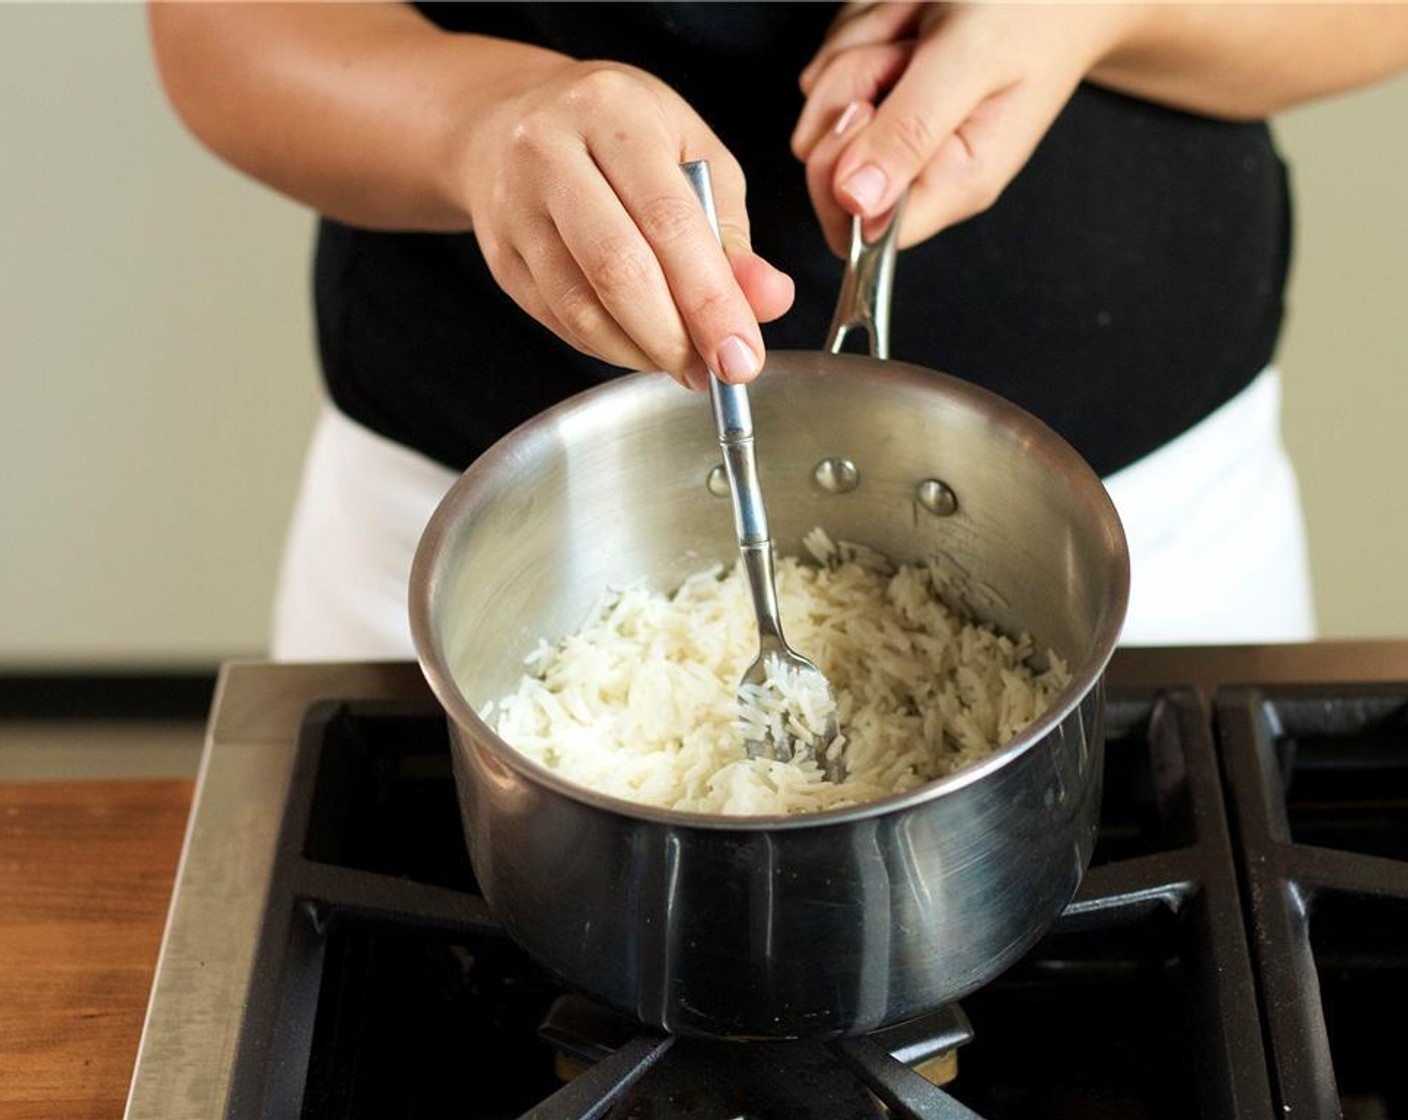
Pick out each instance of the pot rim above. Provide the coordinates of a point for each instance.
(426, 576)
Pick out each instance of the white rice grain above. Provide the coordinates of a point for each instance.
(641, 702)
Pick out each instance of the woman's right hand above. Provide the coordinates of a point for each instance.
(573, 184)
(567, 171)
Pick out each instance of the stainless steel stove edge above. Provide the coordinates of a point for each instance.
(186, 1055)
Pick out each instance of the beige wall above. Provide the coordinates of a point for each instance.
(156, 357)
(157, 360)
(1345, 353)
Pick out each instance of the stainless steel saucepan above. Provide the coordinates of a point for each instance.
(815, 926)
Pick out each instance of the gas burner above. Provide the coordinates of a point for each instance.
(691, 1079)
(610, 1062)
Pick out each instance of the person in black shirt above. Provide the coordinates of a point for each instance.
(1098, 228)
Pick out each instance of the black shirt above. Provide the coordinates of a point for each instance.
(1129, 280)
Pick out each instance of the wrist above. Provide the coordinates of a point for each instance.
(1116, 32)
(1140, 32)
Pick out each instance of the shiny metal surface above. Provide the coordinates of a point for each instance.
(834, 929)
(824, 925)
(868, 286)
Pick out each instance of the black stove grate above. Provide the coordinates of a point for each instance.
(1140, 1003)
(385, 988)
(1318, 785)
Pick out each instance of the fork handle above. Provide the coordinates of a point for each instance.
(733, 420)
(762, 582)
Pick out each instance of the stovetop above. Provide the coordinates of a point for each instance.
(1239, 947)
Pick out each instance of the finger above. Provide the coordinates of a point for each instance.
(861, 74)
(621, 272)
(933, 97)
(547, 283)
(530, 262)
(861, 25)
(716, 315)
(769, 291)
(821, 169)
(513, 275)
(983, 154)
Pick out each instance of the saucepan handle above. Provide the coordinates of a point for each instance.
(868, 286)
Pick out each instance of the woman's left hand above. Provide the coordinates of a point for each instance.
(968, 92)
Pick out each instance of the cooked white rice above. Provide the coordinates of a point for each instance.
(641, 703)
(789, 712)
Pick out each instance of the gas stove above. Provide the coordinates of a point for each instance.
(1239, 947)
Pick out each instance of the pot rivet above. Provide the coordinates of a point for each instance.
(718, 482)
(937, 497)
(836, 476)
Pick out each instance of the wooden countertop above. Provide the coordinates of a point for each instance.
(86, 872)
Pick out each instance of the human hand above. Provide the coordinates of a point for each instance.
(586, 221)
(968, 92)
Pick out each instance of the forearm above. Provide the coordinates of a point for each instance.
(1250, 60)
(359, 110)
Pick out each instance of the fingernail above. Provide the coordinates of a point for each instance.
(697, 377)
(847, 117)
(737, 362)
(866, 188)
